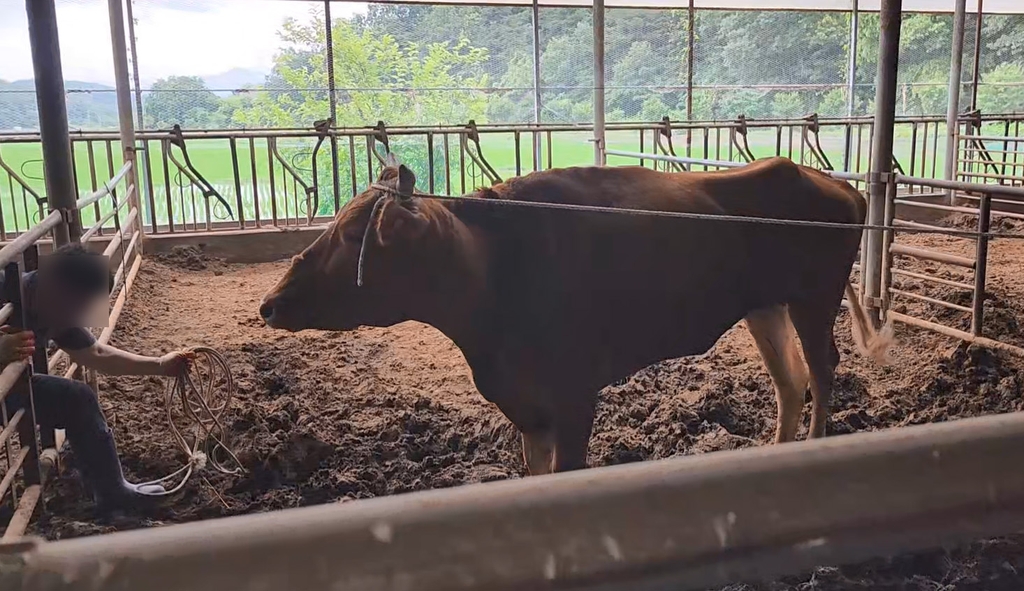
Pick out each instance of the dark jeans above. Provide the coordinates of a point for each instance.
(61, 404)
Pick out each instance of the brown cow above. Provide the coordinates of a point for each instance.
(549, 306)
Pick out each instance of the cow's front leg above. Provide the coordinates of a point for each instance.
(539, 451)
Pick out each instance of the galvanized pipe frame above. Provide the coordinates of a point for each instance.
(682, 523)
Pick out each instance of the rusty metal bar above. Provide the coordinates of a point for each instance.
(681, 523)
(931, 255)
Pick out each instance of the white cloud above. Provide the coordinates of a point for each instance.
(175, 37)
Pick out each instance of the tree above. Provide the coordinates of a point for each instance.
(182, 100)
(377, 79)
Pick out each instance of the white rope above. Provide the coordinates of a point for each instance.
(196, 389)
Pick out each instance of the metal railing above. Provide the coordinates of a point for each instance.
(683, 523)
(38, 457)
(16, 378)
(209, 180)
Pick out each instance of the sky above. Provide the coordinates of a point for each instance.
(175, 37)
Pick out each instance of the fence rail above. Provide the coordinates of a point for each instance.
(37, 454)
(683, 523)
(211, 180)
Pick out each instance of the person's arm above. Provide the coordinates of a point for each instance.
(84, 350)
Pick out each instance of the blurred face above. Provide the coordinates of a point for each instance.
(59, 306)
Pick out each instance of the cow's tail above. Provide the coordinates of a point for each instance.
(871, 343)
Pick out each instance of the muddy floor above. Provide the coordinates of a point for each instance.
(322, 417)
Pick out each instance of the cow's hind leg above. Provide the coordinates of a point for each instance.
(773, 333)
(539, 451)
(814, 323)
(573, 425)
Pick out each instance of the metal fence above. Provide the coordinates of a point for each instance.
(35, 454)
(206, 180)
(426, 64)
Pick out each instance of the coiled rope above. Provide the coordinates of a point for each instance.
(198, 397)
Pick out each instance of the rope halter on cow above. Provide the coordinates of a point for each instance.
(198, 397)
(376, 212)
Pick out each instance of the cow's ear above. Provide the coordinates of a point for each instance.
(401, 220)
(406, 181)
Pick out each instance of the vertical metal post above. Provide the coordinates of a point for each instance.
(976, 76)
(691, 21)
(981, 265)
(599, 138)
(881, 146)
(536, 84)
(851, 79)
(953, 105)
(53, 117)
(143, 168)
(124, 107)
(333, 101)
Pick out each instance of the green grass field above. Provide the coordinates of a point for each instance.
(213, 160)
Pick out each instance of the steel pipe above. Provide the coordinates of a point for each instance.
(683, 523)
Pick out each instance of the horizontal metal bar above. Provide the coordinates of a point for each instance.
(19, 244)
(12, 424)
(5, 312)
(12, 471)
(909, 224)
(23, 514)
(996, 163)
(682, 523)
(676, 159)
(931, 255)
(849, 176)
(960, 186)
(990, 175)
(105, 189)
(9, 376)
(113, 244)
(938, 280)
(119, 274)
(936, 206)
(956, 334)
(106, 218)
(990, 138)
(929, 300)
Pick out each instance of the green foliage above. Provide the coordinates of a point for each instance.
(377, 79)
(182, 100)
(1004, 92)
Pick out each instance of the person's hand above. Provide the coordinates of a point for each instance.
(176, 363)
(16, 345)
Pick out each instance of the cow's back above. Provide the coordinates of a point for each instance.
(593, 297)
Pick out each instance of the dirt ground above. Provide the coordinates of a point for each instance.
(322, 417)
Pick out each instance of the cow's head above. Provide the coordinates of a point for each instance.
(418, 263)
